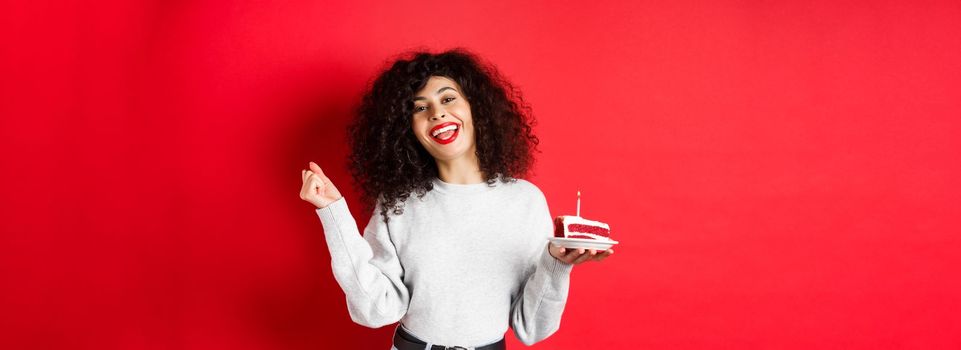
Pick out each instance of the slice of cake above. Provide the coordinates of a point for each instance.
(571, 226)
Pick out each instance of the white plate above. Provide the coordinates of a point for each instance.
(582, 243)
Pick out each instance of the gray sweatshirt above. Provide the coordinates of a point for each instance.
(456, 267)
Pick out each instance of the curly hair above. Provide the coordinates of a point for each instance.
(387, 162)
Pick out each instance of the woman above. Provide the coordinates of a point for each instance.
(457, 246)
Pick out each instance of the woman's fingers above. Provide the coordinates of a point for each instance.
(311, 182)
(308, 174)
(309, 185)
(585, 256)
(317, 184)
(603, 255)
(557, 251)
(317, 188)
(574, 253)
(305, 189)
(316, 169)
(580, 255)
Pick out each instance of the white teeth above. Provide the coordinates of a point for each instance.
(444, 129)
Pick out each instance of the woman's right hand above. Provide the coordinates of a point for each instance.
(318, 190)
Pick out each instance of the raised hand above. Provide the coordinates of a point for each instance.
(317, 189)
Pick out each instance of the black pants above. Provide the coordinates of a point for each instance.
(406, 341)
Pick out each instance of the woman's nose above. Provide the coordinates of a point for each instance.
(438, 116)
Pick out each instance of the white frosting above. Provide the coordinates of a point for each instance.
(572, 219)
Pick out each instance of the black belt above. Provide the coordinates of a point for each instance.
(406, 341)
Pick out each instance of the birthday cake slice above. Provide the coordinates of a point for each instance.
(570, 226)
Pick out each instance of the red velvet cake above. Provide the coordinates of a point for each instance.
(570, 226)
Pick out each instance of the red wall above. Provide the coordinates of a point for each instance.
(779, 175)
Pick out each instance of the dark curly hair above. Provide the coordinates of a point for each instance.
(387, 162)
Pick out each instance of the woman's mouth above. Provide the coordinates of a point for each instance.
(445, 133)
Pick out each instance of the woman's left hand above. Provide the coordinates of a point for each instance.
(577, 256)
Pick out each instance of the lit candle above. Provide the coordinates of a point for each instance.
(578, 203)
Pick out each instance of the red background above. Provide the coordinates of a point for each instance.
(779, 175)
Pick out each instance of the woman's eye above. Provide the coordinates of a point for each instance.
(419, 108)
(448, 99)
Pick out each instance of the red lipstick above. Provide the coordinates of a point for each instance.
(449, 139)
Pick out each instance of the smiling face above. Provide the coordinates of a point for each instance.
(442, 120)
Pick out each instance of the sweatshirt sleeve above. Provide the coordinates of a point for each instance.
(536, 311)
(366, 268)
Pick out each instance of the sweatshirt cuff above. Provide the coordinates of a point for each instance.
(334, 215)
(555, 267)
